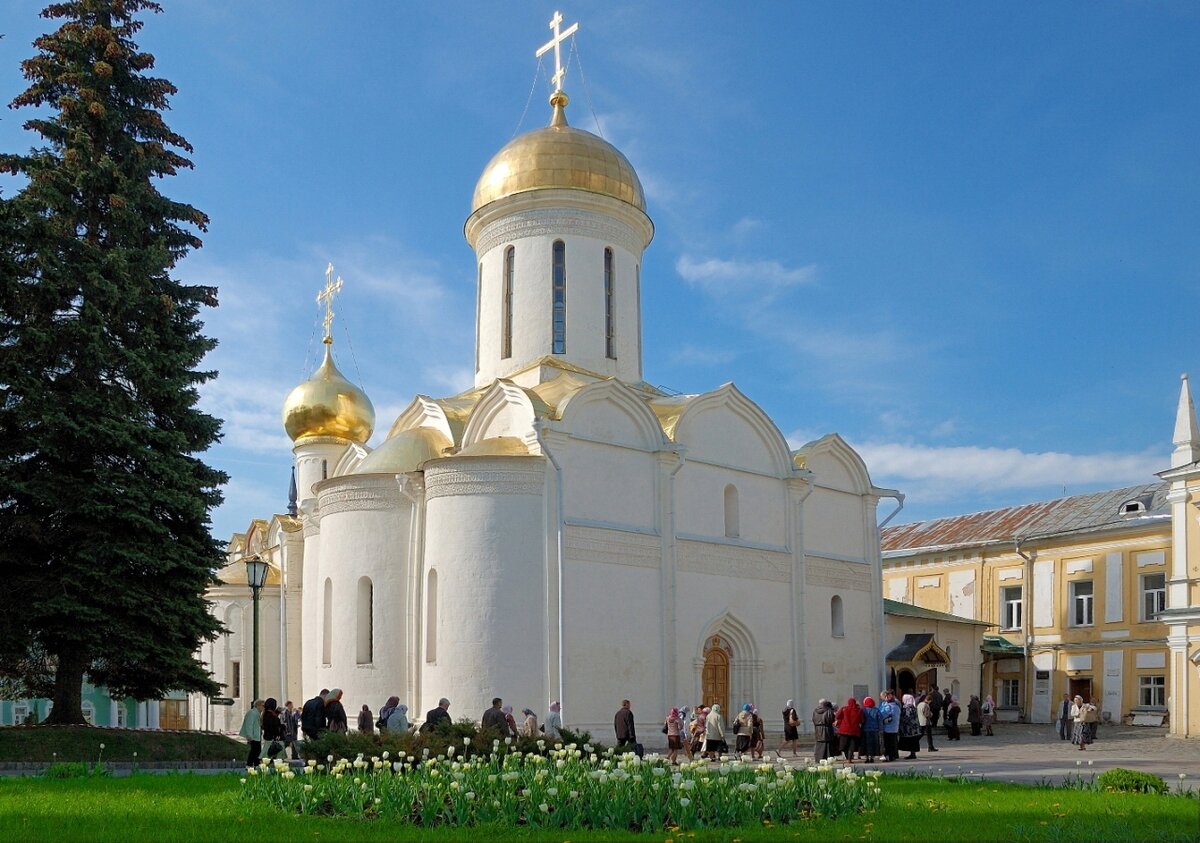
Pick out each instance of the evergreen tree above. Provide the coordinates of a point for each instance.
(105, 548)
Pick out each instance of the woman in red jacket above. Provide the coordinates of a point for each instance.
(849, 720)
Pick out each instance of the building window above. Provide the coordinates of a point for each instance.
(1082, 603)
(1010, 693)
(366, 622)
(732, 525)
(327, 624)
(1154, 595)
(89, 712)
(559, 297)
(1152, 690)
(610, 307)
(324, 469)
(431, 603)
(837, 624)
(121, 715)
(20, 713)
(510, 261)
(234, 685)
(1010, 607)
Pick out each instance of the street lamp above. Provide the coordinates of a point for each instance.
(256, 575)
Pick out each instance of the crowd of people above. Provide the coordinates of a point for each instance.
(865, 729)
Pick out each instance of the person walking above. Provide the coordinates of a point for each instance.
(494, 718)
(910, 729)
(743, 728)
(889, 726)
(758, 737)
(272, 727)
(791, 728)
(397, 722)
(935, 706)
(510, 721)
(366, 721)
(291, 726)
(252, 731)
(529, 726)
(437, 719)
(1080, 735)
(1063, 717)
(925, 719)
(674, 729)
(849, 728)
(624, 727)
(385, 711)
(974, 715)
(335, 712)
(714, 733)
(870, 730)
(1093, 719)
(312, 716)
(988, 710)
(553, 725)
(953, 711)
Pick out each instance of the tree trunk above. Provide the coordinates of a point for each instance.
(68, 690)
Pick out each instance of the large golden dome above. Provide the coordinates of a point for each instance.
(328, 405)
(557, 157)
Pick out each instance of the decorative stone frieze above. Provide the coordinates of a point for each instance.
(731, 561)
(359, 493)
(556, 223)
(832, 574)
(613, 547)
(497, 477)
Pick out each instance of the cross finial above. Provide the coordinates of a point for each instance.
(325, 297)
(554, 43)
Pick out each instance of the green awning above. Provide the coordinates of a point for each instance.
(998, 645)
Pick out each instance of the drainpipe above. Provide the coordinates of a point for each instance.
(1027, 625)
(898, 497)
(539, 429)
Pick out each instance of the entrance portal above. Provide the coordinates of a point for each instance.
(1081, 686)
(714, 681)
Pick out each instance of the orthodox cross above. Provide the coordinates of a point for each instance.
(554, 43)
(325, 297)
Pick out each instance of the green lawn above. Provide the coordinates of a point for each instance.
(201, 808)
(82, 743)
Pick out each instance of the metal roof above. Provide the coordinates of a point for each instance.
(1078, 513)
(918, 646)
(907, 610)
(998, 645)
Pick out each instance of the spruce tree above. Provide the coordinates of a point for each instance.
(105, 548)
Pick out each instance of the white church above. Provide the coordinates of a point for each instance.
(563, 530)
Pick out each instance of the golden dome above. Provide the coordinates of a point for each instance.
(405, 451)
(559, 157)
(328, 405)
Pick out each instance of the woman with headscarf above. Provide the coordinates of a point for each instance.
(686, 719)
(529, 726)
(386, 711)
(759, 734)
(366, 722)
(714, 733)
(849, 727)
(870, 730)
(743, 727)
(553, 726)
(953, 710)
(272, 728)
(791, 727)
(510, 720)
(674, 726)
(822, 718)
(974, 715)
(910, 728)
(699, 730)
(335, 712)
(988, 710)
(1082, 714)
(397, 722)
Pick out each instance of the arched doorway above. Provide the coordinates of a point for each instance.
(905, 681)
(714, 682)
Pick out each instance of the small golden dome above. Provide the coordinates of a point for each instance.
(405, 451)
(559, 157)
(328, 405)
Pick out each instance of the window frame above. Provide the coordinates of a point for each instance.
(1080, 602)
(558, 297)
(1007, 604)
(506, 302)
(610, 305)
(1010, 693)
(1144, 593)
(1152, 685)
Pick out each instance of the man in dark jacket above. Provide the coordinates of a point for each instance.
(312, 716)
(437, 718)
(935, 708)
(623, 725)
(494, 718)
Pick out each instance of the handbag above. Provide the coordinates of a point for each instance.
(664, 728)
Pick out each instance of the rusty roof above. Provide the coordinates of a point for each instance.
(1078, 513)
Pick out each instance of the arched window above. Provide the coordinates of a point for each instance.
(366, 621)
(732, 527)
(431, 602)
(506, 319)
(837, 624)
(327, 624)
(610, 307)
(559, 297)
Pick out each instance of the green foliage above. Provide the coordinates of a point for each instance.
(52, 744)
(105, 551)
(74, 770)
(1131, 781)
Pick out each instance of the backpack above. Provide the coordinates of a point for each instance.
(312, 716)
(381, 724)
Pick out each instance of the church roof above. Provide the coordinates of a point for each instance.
(1097, 511)
(918, 646)
(907, 610)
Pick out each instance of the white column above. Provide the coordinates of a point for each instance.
(141, 715)
(669, 463)
(798, 489)
(152, 709)
(112, 711)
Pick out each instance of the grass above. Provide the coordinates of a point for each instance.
(201, 808)
(82, 743)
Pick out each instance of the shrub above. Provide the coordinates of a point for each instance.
(1131, 781)
(74, 770)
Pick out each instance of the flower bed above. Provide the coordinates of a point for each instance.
(568, 787)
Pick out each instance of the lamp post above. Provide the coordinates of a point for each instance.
(256, 575)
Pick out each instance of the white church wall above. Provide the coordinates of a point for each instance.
(310, 606)
(701, 511)
(364, 533)
(725, 428)
(608, 484)
(833, 525)
(485, 539)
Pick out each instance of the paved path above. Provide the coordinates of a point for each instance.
(1034, 753)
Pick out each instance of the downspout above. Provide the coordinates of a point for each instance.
(539, 429)
(1027, 625)
(898, 497)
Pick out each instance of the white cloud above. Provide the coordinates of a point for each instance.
(452, 379)
(694, 355)
(764, 278)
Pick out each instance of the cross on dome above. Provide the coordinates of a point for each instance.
(325, 297)
(554, 43)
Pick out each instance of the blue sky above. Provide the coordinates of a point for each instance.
(962, 235)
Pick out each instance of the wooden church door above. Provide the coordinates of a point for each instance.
(715, 678)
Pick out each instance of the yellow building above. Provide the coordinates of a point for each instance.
(1095, 594)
